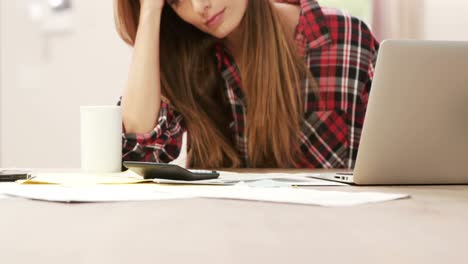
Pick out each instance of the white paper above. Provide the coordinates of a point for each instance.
(284, 195)
(81, 179)
(147, 192)
(5, 186)
(97, 193)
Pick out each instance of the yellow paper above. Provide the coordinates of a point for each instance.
(80, 179)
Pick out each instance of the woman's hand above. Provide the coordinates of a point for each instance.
(151, 4)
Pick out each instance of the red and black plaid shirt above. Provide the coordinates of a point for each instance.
(340, 51)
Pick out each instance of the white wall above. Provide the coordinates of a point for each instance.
(45, 80)
(446, 20)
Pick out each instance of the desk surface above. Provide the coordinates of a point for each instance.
(431, 227)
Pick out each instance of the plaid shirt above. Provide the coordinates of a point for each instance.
(340, 51)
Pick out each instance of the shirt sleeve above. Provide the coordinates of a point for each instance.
(162, 144)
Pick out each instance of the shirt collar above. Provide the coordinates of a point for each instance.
(312, 29)
(311, 32)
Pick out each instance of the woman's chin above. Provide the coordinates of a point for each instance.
(219, 33)
(220, 36)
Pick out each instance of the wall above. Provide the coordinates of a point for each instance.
(358, 8)
(446, 19)
(46, 79)
(1, 77)
(420, 19)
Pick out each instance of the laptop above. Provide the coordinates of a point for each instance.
(416, 125)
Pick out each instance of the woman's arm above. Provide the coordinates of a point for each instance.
(142, 96)
(153, 128)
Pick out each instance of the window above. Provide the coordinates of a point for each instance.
(358, 8)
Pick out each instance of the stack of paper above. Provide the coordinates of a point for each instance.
(283, 195)
(4, 186)
(80, 179)
(114, 193)
(86, 194)
(267, 187)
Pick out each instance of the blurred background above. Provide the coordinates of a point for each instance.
(56, 55)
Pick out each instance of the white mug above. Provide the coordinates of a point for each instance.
(101, 139)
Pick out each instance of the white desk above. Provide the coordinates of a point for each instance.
(431, 227)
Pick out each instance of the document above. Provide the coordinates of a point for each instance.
(3, 187)
(81, 179)
(149, 192)
(284, 195)
(90, 194)
(116, 187)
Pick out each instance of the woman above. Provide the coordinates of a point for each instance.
(255, 83)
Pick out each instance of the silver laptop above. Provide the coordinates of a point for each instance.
(416, 125)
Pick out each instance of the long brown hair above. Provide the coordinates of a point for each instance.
(273, 75)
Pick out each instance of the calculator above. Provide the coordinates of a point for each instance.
(152, 170)
(14, 175)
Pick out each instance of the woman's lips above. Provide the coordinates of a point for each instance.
(216, 19)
